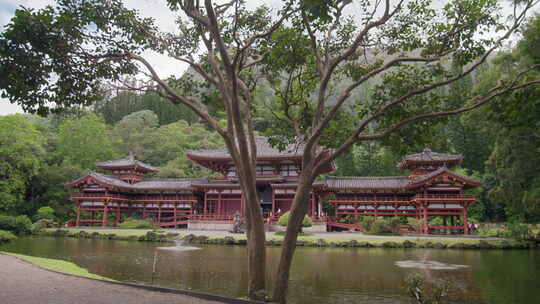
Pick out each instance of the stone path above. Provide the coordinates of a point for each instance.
(25, 283)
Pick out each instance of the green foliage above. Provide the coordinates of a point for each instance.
(380, 225)
(137, 224)
(21, 157)
(85, 140)
(6, 236)
(41, 224)
(519, 231)
(284, 220)
(415, 223)
(45, 213)
(17, 224)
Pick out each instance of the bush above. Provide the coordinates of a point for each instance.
(366, 221)
(415, 223)
(6, 236)
(45, 213)
(17, 224)
(137, 224)
(519, 231)
(42, 224)
(284, 220)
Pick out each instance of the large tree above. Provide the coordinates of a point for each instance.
(315, 54)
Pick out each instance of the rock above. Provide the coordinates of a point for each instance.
(364, 244)
(172, 234)
(201, 239)
(457, 246)
(390, 245)
(300, 243)
(111, 236)
(484, 245)
(241, 242)
(352, 243)
(505, 245)
(321, 243)
(332, 244)
(95, 235)
(189, 238)
(228, 240)
(408, 244)
(439, 246)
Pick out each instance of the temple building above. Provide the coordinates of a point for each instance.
(430, 189)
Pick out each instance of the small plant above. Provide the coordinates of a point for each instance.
(45, 213)
(42, 224)
(284, 220)
(6, 236)
(415, 223)
(423, 292)
(137, 224)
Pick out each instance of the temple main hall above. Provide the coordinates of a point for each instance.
(429, 189)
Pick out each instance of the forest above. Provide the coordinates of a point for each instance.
(500, 142)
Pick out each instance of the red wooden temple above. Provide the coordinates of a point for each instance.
(431, 189)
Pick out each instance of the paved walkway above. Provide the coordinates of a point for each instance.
(24, 283)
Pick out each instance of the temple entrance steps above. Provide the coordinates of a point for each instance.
(345, 226)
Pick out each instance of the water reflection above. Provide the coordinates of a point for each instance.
(319, 275)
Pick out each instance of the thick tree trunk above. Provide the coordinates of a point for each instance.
(256, 247)
(298, 211)
(256, 238)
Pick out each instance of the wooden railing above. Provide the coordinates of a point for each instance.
(369, 199)
(211, 217)
(460, 197)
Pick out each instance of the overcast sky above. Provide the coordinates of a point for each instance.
(148, 8)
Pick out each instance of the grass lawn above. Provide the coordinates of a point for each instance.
(57, 265)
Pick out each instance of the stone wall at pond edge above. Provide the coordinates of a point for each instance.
(163, 236)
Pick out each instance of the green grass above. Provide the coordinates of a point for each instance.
(57, 265)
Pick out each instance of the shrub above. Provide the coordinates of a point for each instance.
(380, 225)
(415, 223)
(518, 231)
(284, 220)
(45, 213)
(6, 236)
(366, 221)
(42, 224)
(17, 224)
(137, 224)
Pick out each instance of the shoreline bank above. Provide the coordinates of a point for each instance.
(352, 240)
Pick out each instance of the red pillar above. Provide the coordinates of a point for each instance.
(205, 202)
(219, 203)
(174, 214)
(105, 214)
(465, 222)
(117, 214)
(159, 213)
(78, 214)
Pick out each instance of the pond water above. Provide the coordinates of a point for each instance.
(319, 275)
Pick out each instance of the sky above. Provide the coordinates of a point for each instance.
(148, 8)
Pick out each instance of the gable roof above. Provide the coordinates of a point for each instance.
(423, 179)
(264, 150)
(428, 156)
(161, 184)
(128, 162)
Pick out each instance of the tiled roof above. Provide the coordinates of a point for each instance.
(171, 184)
(165, 184)
(429, 156)
(129, 161)
(264, 149)
(357, 182)
(428, 176)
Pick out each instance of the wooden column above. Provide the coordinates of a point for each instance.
(205, 201)
(273, 202)
(465, 222)
(219, 203)
(174, 215)
(118, 218)
(312, 200)
(159, 213)
(105, 214)
(77, 222)
(426, 224)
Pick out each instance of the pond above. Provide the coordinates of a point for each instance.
(319, 275)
